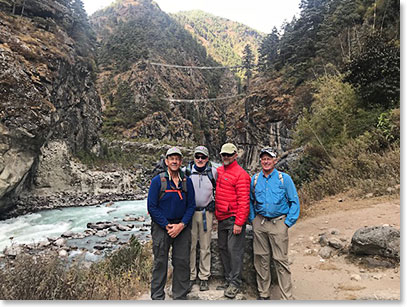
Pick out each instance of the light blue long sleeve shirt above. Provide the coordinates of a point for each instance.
(272, 198)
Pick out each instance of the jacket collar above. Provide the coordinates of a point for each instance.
(270, 175)
(231, 165)
(181, 174)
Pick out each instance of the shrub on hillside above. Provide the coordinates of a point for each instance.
(368, 164)
(47, 277)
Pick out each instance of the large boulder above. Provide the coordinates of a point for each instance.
(378, 240)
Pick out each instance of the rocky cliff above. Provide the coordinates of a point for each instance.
(47, 73)
(134, 33)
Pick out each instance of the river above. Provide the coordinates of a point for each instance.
(36, 227)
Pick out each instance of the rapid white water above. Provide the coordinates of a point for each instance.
(36, 227)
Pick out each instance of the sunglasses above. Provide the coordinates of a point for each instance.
(227, 155)
(200, 157)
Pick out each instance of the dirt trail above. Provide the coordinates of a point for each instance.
(335, 278)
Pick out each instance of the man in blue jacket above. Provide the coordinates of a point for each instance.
(171, 205)
(274, 207)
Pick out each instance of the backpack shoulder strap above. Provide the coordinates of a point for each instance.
(163, 181)
(188, 168)
(280, 176)
(209, 173)
(184, 185)
(256, 177)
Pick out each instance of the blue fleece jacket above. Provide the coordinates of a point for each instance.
(274, 198)
(170, 207)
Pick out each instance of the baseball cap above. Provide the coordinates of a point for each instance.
(203, 150)
(228, 148)
(269, 151)
(173, 151)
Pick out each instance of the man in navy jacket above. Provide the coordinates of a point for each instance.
(171, 205)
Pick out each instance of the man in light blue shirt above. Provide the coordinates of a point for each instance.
(274, 207)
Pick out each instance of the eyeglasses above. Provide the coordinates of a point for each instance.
(227, 155)
(200, 157)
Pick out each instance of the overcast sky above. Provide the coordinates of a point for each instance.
(261, 15)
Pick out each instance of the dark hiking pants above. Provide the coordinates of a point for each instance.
(231, 249)
(181, 246)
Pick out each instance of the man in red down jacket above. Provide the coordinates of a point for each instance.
(232, 206)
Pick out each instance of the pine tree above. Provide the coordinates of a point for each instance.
(268, 51)
(248, 60)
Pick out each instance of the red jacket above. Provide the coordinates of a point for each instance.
(232, 193)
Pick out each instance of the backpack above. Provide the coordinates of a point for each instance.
(163, 180)
(256, 177)
(207, 172)
(161, 169)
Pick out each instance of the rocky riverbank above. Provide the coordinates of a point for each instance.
(95, 241)
(33, 203)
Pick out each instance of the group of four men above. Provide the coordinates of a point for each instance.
(182, 202)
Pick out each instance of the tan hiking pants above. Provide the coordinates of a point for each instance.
(204, 238)
(270, 241)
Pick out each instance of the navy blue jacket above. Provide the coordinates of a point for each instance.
(170, 208)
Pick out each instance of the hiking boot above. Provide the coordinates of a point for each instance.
(191, 284)
(223, 286)
(231, 291)
(204, 285)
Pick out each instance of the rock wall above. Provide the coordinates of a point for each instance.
(47, 74)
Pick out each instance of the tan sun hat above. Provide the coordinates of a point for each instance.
(228, 148)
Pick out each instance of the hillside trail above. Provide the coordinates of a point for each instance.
(335, 278)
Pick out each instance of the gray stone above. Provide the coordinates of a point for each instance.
(334, 231)
(60, 242)
(336, 243)
(355, 277)
(67, 234)
(377, 240)
(326, 252)
(323, 240)
(112, 238)
(63, 253)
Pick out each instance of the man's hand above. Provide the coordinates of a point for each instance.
(174, 230)
(237, 229)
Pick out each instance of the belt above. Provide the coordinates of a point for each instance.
(174, 221)
(203, 210)
(272, 219)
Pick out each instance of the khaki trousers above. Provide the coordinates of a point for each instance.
(270, 240)
(204, 237)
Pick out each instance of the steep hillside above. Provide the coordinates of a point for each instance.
(335, 70)
(132, 34)
(223, 39)
(47, 87)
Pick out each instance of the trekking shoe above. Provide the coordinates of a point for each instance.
(231, 291)
(223, 286)
(204, 285)
(191, 284)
